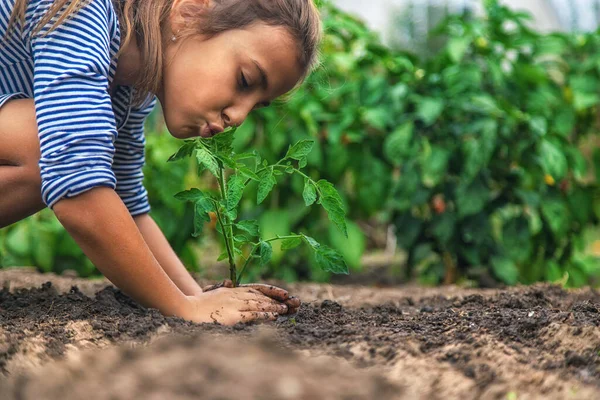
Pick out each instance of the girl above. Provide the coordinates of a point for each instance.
(77, 80)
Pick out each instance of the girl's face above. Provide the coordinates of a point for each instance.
(210, 84)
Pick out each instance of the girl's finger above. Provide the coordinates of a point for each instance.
(293, 302)
(226, 283)
(248, 316)
(269, 290)
(262, 306)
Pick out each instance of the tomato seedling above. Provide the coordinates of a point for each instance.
(233, 174)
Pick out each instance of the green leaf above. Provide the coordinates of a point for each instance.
(377, 117)
(564, 122)
(310, 193)
(554, 161)
(190, 195)
(443, 227)
(330, 260)
(265, 185)
(266, 252)
(201, 209)
(332, 203)
(247, 172)
(227, 161)
(556, 214)
(250, 226)
(235, 189)
(242, 238)
(300, 150)
(374, 178)
(243, 156)
(478, 151)
(206, 160)
(429, 109)
(311, 242)
(397, 144)
(505, 270)
(516, 239)
(584, 100)
(222, 143)
(434, 165)
(471, 199)
(184, 151)
(288, 244)
(539, 125)
(457, 47)
(484, 104)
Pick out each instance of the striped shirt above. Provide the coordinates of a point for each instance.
(88, 136)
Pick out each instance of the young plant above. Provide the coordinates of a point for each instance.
(217, 156)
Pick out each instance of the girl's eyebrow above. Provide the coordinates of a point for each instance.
(263, 76)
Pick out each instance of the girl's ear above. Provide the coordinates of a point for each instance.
(181, 10)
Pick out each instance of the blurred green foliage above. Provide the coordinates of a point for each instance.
(474, 154)
(492, 180)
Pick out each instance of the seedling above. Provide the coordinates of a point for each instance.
(233, 173)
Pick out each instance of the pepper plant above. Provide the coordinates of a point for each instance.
(234, 172)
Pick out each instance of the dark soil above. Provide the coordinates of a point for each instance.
(345, 342)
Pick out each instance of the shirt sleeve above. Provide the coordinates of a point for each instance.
(76, 122)
(129, 160)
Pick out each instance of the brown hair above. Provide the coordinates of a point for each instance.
(146, 18)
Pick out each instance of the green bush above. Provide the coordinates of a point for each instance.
(479, 145)
(492, 180)
(474, 154)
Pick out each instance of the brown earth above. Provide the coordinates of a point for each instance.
(73, 339)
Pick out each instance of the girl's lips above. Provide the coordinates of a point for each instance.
(210, 130)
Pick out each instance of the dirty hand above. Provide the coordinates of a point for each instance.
(271, 291)
(228, 306)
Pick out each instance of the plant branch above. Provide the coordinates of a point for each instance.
(283, 238)
(226, 228)
(232, 271)
(239, 277)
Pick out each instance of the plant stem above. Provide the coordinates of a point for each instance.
(283, 238)
(255, 246)
(239, 277)
(295, 170)
(232, 270)
(264, 168)
(227, 229)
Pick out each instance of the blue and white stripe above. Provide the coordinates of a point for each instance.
(88, 138)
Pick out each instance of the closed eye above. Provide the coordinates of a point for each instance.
(262, 105)
(245, 84)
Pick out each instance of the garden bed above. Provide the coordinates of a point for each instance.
(72, 336)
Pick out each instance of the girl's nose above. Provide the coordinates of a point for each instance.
(236, 115)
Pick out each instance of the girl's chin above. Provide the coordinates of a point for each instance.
(183, 133)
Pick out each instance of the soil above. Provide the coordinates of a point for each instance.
(64, 337)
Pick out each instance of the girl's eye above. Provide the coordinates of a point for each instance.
(245, 84)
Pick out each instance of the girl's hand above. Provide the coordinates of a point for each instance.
(228, 306)
(271, 291)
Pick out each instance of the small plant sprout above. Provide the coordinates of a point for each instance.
(217, 156)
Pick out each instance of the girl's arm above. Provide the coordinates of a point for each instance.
(166, 257)
(101, 224)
